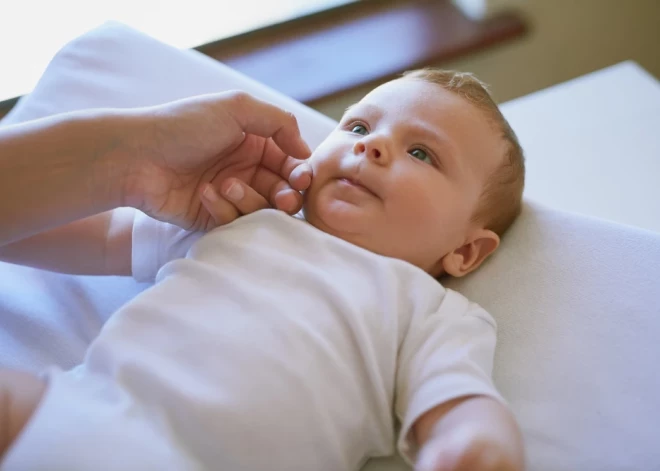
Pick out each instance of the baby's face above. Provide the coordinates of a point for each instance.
(402, 173)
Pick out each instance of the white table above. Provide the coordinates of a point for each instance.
(607, 177)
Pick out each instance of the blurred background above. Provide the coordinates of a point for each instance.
(517, 46)
(32, 31)
(565, 39)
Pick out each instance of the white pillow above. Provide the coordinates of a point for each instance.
(578, 310)
(576, 298)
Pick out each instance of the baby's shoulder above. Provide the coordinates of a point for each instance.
(444, 305)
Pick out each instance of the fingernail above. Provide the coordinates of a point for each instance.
(304, 169)
(235, 192)
(210, 194)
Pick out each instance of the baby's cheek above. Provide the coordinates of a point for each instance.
(311, 195)
(319, 162)
(316, 197)
(325, 163)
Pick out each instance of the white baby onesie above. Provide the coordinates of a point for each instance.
(270, 345)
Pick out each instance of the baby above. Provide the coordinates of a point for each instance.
(283, 343)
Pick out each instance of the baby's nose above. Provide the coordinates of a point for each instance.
(371, 150)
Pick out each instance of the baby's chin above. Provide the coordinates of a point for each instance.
(339, 218)
(353, 223)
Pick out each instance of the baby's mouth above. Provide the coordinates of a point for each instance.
(357, 185)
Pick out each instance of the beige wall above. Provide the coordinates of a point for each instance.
(567, 38)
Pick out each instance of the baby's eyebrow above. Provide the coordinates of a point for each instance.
(365, 108)
(350, 110)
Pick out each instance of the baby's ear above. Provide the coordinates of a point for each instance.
(468, 257)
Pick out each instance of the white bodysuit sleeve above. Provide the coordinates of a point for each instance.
(155, 243)
(445, 355)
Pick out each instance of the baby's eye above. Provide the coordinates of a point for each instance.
(359, 129)
(421, 154)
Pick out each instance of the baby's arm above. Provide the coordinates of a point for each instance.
(20, 394)
(97, 245)
(453, 417)
(469, 434)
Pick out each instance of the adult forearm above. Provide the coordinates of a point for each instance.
(57, 170)
(96, 245)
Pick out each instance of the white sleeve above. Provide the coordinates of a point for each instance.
(445, 355)
(155, 243)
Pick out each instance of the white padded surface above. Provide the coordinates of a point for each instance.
(592, 145)
(578, 308)
(576, 298)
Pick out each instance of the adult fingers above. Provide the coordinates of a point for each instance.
(297, 172)
(301, 177)
(236, 198)
(264, 119)
(242, 196)
(221, 211)
(276, 190)
(289, 201)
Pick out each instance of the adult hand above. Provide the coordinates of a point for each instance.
(188, 151)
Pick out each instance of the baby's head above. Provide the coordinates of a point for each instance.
(425, 169)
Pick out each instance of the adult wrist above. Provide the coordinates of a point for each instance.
(117, 154)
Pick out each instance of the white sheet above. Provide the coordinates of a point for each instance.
(576, 298)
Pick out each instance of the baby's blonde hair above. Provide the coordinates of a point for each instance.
(501, 199)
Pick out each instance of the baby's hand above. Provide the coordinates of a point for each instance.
(468, 448)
